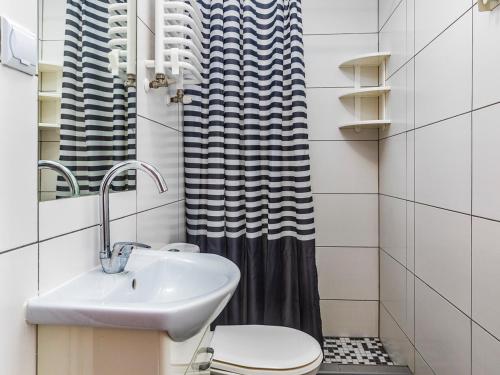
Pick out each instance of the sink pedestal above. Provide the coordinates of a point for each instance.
(64, 350)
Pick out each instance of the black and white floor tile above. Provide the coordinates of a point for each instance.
(355, 351)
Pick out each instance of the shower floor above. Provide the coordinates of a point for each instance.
(355, 351)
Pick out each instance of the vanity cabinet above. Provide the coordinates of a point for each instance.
(66, 350)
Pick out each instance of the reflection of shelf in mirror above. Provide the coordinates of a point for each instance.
(45, 125)
(369, 92)
(49, 96)
(366, 124)
(49, 67)
(370, 59)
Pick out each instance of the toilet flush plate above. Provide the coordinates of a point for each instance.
(18, 47)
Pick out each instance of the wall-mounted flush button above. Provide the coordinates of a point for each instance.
(18, 47)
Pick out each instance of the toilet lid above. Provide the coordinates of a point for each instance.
(264, 347)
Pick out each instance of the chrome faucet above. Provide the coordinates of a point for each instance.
(115, 261)
(64, 172)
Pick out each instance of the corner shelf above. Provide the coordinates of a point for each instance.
(366, 124)
(377, 59)
(369, 59)
(45, 125)
(368, 92)
(49, 67)
(44, 96)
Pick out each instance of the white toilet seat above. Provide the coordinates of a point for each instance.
(264, 350)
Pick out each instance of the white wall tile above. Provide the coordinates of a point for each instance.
(53, 51)
(432, 17)
(410, 165)
(385, 9)
(392, 166)
(68, 256)
(443, 242)
(18, 283)
(324, 53)
(393, 227)
(485, 171)
(397, 103)
(328, 17)
(397, 345)
(18, 119)
(393, 38)
(347, 273)
(410, 236)
(53, 19)
(325, 112)
(62, 216)
(159, 226)
(350, 318)
(485, 275)
(421, 367)
(344, 167)
(485, 352)
(393, 287)
(157, 144)
(486, 56)
(435, 75)
(346, 219)
(443, 164)
(25, 15)
(442, 333)
(146, 12)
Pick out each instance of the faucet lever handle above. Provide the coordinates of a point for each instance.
(125, 248)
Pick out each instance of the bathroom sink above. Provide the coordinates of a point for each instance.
(179, 293)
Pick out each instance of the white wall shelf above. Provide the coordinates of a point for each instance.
(45, 125)
(366, 124)
(49, 67)
(49, 96)
(377, 59)
(369, 59)
(368, 92)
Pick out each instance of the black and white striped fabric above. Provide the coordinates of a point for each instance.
(246, 158)
(98, 114)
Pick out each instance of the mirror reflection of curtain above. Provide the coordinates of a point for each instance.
(98, 113)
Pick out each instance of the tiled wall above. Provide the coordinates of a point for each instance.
(344, 165)
(35, 257)
(439, 187)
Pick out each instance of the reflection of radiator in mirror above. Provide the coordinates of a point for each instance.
(122, 39)
(178, 46)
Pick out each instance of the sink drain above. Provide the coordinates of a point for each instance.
(134, 284)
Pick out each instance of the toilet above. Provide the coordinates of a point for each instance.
(264, 350)
(258, 349)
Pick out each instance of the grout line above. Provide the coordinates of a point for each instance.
(390, 15)
(442, 120)
(471, 187)
(349, 300)
(444, 30)
(18, 248)
(347, 246)
(440, 295)
(146, 25)
(334, 34)
(158, 123)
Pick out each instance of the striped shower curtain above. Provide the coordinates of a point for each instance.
(247, 174)
(98, 113)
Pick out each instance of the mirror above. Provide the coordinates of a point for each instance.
(86, 94)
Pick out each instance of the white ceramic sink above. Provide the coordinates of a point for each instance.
(179, 293)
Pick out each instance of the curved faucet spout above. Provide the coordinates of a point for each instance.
(64, 172)
(105, 252)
